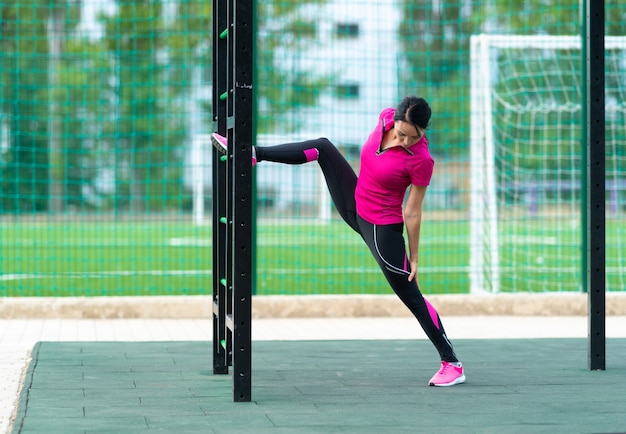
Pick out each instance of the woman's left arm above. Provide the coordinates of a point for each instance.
(413, 222)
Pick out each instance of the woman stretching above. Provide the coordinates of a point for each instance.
(394, 158)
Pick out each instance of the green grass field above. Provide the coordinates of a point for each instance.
(97, 258)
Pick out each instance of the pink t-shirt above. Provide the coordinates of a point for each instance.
(384, 176)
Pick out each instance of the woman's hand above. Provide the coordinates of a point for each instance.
(413, 275)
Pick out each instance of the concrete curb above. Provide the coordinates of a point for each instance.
(306, 306)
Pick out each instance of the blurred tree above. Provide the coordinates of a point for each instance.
(83, 108)
(56, 41)
(26, 80)
(283, 27)
(535, 17)
(155, 53)
(435, 39)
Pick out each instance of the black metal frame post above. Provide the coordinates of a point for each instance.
(242, 135)
(220, 53)
(233, 224)
(596, 184)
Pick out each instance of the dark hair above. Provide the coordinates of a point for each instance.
(414, 110)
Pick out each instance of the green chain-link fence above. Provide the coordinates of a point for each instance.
(105, 184)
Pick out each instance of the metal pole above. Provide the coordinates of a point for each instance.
(596, 184)
(220, 51)
(242, 123)
(583, 147)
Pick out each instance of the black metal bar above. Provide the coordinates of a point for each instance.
(232, 186)
(242, 47)
(220, 22)
(230, 211)
(596, 185)
(583, 149)
(228, 186)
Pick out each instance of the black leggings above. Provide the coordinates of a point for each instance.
(386, 242)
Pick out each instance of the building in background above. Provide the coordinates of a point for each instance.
(357, 45)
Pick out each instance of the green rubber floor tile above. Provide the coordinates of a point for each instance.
(513, 386)
(115, 425)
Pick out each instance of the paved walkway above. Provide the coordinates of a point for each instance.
(337, 385)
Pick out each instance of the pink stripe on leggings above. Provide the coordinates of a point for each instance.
(433, 313)
(311, 154)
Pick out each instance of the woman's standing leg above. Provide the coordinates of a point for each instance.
(386, 242)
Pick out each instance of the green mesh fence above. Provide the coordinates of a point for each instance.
(105, 173)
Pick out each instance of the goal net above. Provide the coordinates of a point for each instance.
(526, 144)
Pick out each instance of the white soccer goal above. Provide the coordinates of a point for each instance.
(526, 142)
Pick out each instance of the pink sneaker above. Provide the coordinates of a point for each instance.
(221, 143)
(448, 375)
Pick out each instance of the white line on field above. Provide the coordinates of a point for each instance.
(280, 271)
(282, 240)
(300, 241)
(272, 271)
(75, 275)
